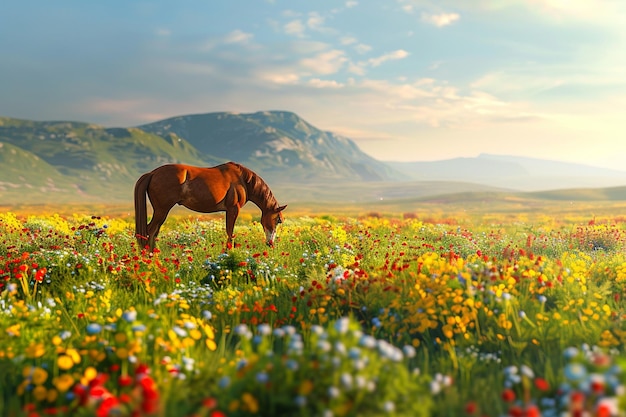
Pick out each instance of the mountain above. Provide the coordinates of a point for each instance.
(276, 143)
(73, 162)
(78, 161)
(513, 172)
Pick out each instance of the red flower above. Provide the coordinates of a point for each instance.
(124, 380)
(470, 407)
(542, 384)
(508, 395)
(210, 403)
(516, 411)
(533, 411)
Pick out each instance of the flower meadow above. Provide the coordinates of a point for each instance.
(369, 315)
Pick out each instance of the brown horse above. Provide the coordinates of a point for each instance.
(226, 187)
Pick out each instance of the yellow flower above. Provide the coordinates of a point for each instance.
(13, 330)
(65, 362)
(306, 387)
(90, 373)
(40, 376)
(122, 353)
(63, 382)
(210, 344)
(52, 395)
(40, 393)
(35, 350)
(250, 403)
(73, 353)
(120, 337)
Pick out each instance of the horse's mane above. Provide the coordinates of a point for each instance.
(257, 188)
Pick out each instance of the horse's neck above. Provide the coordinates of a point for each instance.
(260, 194)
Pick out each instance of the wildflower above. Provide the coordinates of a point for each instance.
(300, 401)
(333, 392)
(262, 377)
(317, 329)
(264, 329)
(389, 406)
(409, 351)
(324, 345)
(64, 362)
(470, 407)
(570, 353)
(39, 376)
(130, 316)
(93, 328)
(63, 382)
(224, 382)
(541, 384)
(575, 372)
(508, 395)
(243, 331)
(342, 325)
(346, 380)
(527, 371)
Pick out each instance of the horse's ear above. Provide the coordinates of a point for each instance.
(281, 208)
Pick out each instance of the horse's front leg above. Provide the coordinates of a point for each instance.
(231, 217)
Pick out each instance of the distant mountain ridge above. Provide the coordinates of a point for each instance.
(61, 161)
(513, 172)
(274, 142)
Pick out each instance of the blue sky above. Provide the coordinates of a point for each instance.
(405, 79)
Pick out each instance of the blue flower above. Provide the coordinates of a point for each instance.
(130, 316)
(93, 328)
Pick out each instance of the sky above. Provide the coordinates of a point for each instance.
(407, 80)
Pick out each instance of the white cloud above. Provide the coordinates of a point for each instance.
(238, 36)
(351, 3)
(357, 69)
(348, 40)
(295, 27)
(363, 48)
(440, 20)
(397, 54)
(279, 77)
(318, 83)
(324, 63)
(315, 21)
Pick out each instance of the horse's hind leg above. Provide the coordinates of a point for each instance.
(158, 218)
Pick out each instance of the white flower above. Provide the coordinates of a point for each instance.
(264, 329)
(342, 325)
(389, 406)
(409, 351)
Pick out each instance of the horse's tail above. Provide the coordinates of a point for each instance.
(141, 212)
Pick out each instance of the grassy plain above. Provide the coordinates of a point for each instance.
(472, 305)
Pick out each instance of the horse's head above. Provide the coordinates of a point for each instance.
(270, 219)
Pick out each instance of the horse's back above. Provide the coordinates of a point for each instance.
(197, 188)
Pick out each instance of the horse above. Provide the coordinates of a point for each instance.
(226, 187)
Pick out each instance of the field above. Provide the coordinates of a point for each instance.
(477, 308)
